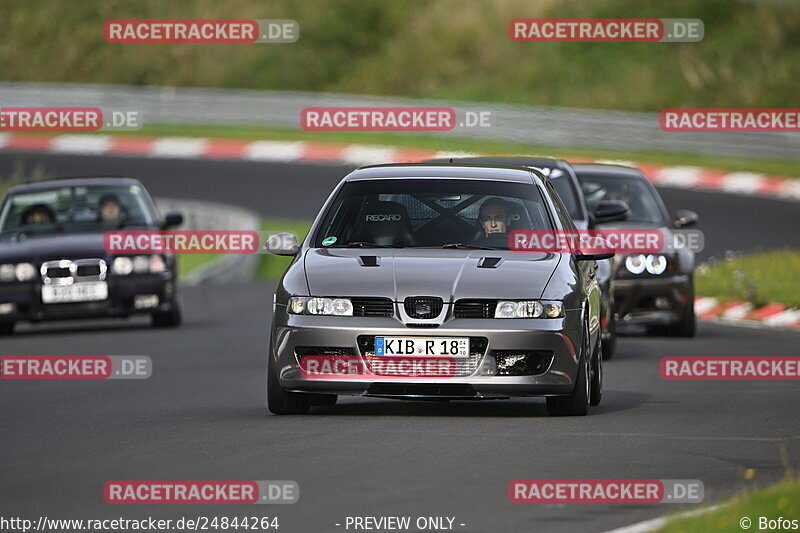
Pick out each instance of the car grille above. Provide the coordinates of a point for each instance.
(65, 271)
(474, 308)
(423, 306)
(372, 307)
(463, 367)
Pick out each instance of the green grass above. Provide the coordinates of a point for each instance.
(781, 500)
(779, 167)
(758, 278)
(750, 56)
(272, 266)
(189, 262)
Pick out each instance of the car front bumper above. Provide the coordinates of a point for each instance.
(26, 299)
(295, 336)
(635, 300)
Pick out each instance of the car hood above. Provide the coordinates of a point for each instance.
(37, 249)
(448, 274)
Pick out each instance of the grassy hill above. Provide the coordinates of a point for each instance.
(426, 48)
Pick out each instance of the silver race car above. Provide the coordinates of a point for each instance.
(406, 287)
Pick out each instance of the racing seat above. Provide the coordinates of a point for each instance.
(384, 223)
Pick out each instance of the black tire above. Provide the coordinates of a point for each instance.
(577, 403)
(596, 382)
(687, 327)
(279, 401)
(6, 329)
(322, 399)
(610, 345)
(167, 319)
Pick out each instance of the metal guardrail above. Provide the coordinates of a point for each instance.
(545, 126)
(199, 215)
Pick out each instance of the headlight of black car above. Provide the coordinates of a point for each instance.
(140, 264)
(17, 272)
(654, 264)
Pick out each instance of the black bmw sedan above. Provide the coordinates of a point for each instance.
(53, 263)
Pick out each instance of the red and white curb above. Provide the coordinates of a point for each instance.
(773, 315)
(682, 177)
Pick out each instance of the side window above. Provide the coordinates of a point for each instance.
(561, 210)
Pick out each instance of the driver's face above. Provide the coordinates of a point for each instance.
(110, 211)
(494, 220)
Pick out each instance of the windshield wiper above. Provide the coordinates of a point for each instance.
(462, 246)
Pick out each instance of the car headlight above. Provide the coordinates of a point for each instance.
(656, 264)
(303, 305)
(25, 271)
(122, 266)
(157, 264)
(529, 309)
(141, 264)
(7, 272)
(635, 263)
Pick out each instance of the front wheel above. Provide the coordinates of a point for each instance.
(577, 403)
(596, 383)
(167, 319)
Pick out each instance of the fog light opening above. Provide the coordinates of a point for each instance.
(662, 302)
(145, 301)
(7, 308)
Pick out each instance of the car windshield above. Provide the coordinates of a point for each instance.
(645, 206)
(564, 188)
(75, 209)
(443, 213)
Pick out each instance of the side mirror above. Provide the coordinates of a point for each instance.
(580, 256)
(172, 220)
(610, 211)
(282, 244)
(683, 217)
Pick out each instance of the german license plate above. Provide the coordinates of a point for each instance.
(422, 346)
(89, 291)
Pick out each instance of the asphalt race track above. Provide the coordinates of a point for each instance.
(202, 414)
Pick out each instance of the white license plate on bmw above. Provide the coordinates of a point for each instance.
(422, 346)
(90, 291)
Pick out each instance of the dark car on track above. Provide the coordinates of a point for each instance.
(409, 261)
(53, 263)
(562, 176)
(654, 290)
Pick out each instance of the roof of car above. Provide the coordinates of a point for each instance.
(510, 160)
(78, 181)
(442, 170)
(608, 169)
